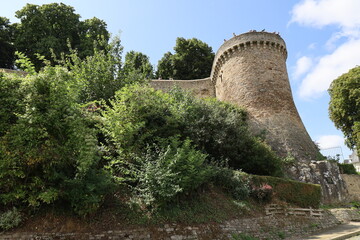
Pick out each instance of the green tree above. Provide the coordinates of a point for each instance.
(52, 26)
(100, 75)
(344, 107)
(165, 68)
(90, 30)
(7, 48)
(192, 60)
(138, 62)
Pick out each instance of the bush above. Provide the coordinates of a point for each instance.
(220, 130)
(10, 219)
(51, 144)
(262, 193)
(234, 182)
(140, 116)
(293, 192)
(11, 98)
(347, 168)
(168, 172)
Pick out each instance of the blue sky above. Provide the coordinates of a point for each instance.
(322, 37)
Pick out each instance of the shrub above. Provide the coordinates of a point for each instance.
(11, 98)
(234, 182)
(220, 130)
(98, 75)
(51, 144)
(293, 192)
(167, 172)
(10, 219)
(262, 193)
(347, 168)
(140, 116)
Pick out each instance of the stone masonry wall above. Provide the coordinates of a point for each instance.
(352, 183)
(13, 71)
(345, 215)
(250, 70)
(200, 87)
(262, 227)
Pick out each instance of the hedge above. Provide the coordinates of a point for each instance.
(347, 168)
(293, 192)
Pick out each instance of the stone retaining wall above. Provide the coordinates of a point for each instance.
(265, 227)
(346, 215)
(352, 183)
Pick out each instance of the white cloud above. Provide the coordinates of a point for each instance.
(319, 13)
(312, 46)
(329, 67)
(303, 65)
(330, 141)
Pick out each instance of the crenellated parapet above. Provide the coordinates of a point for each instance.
(244, 42)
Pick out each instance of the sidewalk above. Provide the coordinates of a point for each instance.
(343, 231)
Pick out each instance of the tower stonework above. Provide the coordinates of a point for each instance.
(249, 70)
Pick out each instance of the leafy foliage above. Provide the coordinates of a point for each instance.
(344, 106)
(100, 75)
(165, 173)
(140, 116)
(347, 168)
(137, 117)
(220, 130)
(52, 26)
(165, 68)
(90, 31)
(7, 50)
(11, 96)
(50, 148)
(293, 192)
(139, 63)
(234, 182)
(10, 219)
(192, 60)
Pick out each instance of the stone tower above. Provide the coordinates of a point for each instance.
(250, 70)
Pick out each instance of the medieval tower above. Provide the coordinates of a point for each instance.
(249, 70)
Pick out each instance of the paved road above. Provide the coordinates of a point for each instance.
(354, 238)
(340, 232)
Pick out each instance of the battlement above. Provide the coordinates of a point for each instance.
(247, 41)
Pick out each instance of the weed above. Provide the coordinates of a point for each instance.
(314, 225)
(281, 235)
(242, 236)
(10, 219)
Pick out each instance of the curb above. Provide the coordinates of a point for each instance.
(346, 236)
(341, 232)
